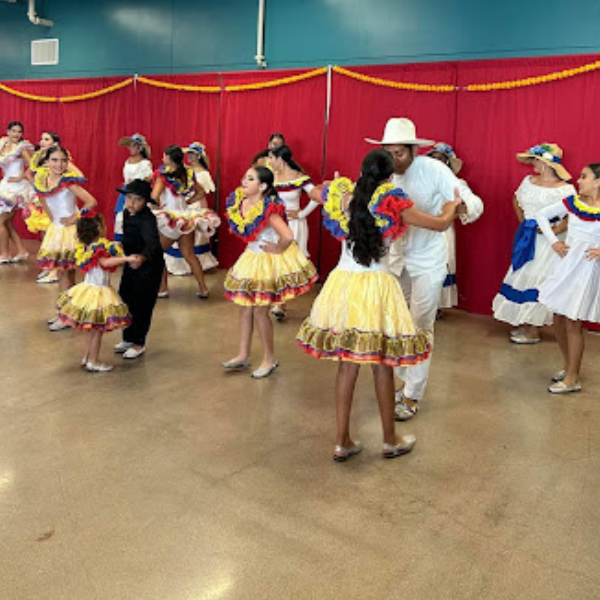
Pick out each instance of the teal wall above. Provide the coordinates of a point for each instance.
(114, 37)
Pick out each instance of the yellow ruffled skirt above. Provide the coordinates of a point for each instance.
(58, 248)
(35, 217)
(91, 307)
(264, 278)
(362, 317)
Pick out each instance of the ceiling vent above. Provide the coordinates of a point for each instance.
(44, 52)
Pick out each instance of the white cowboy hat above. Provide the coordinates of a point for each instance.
(399, 130)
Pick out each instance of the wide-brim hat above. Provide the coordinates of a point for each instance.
(400, 130)
(136, 138)
(454, 162)
(139, 187)
(549, 154)
(197, 148)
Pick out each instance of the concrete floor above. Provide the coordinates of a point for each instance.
(171, 480)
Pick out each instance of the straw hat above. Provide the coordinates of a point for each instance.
(136, 138)
(399, 130)
(549, 154)
(197, 148)
(452, 160)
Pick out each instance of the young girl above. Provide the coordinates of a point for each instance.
(176, 264)
(37, 220)
(272, 268)
(572, 289)
(15, 189)
(176, 188)
(58, 191)
(360, 316)
(93, 306)
(137, 166)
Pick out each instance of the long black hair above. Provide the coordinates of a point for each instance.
(175, 153)
(266, 176)
(364, 237)
(595, 169)
(285, 153)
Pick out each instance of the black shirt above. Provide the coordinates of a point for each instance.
(140, 236)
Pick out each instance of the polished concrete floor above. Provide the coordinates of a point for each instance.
(171, 480)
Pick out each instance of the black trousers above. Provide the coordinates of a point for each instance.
(139, 291)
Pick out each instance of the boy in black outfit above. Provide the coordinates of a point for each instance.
(141, 278)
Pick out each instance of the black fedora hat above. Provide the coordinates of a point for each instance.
(138, 187)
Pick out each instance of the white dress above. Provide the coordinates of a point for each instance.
(131, 171)
(474, 204)
(290, 192)
(15, 194)
(517, 302)
(175, 263)
(572, 287)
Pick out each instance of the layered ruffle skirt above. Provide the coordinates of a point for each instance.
(362, 317)
(90, 307)
(15, 194)
(58, 248)
(264, 278)
(175, 224)
(35, 217)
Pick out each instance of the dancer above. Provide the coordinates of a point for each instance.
(176, 187)
(290, 182)
(420, 260)
(176, 265)
(15, 190)
(261, 159)
(93, 306)
(37, 220)
(141, 278)
(360, 316)
(474, 209)
(58, 191)
(517, 302)
(572, 288)
(137, 166)
(271, 269)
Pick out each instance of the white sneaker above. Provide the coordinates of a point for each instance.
(122, 347)
(58, 326)
(100, 368)
(52, 320)
(133, 353)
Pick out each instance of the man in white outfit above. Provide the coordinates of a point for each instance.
(419, 258)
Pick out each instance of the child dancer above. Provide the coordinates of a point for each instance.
(360, 316)
(93, 306)
(272, 268)
(572, 288)
(58, 191)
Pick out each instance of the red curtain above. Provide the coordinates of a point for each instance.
(249, 117)
(487, 129)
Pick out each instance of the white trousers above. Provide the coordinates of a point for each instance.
(422, 295)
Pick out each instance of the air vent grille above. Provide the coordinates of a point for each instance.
(44, 52)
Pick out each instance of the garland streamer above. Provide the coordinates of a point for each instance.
(400, 85)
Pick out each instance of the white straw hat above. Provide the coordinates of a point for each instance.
(399, 130)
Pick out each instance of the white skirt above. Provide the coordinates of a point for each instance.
(15, 194)
(449, 295)
(572, 288)
(299, 229)
(176, 264)
(517, 302)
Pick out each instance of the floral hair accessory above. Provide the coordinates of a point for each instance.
(88, 213)
(550, 154)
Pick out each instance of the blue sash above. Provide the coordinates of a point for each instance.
(524, 244)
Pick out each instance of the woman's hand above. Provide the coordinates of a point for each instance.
(69, 220)
(292, 214)
(592, 253)
(135, 260)
(271, 247)
(560, 248)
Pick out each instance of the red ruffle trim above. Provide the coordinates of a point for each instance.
(94, 261)
(391, 206)
(273, 208)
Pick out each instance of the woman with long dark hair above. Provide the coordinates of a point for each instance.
(176, 188)
(360, 316)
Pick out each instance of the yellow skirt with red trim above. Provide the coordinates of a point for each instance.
(362, 317)
(35, 217)
(91, 307)
(58, 248)
(264, 278)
